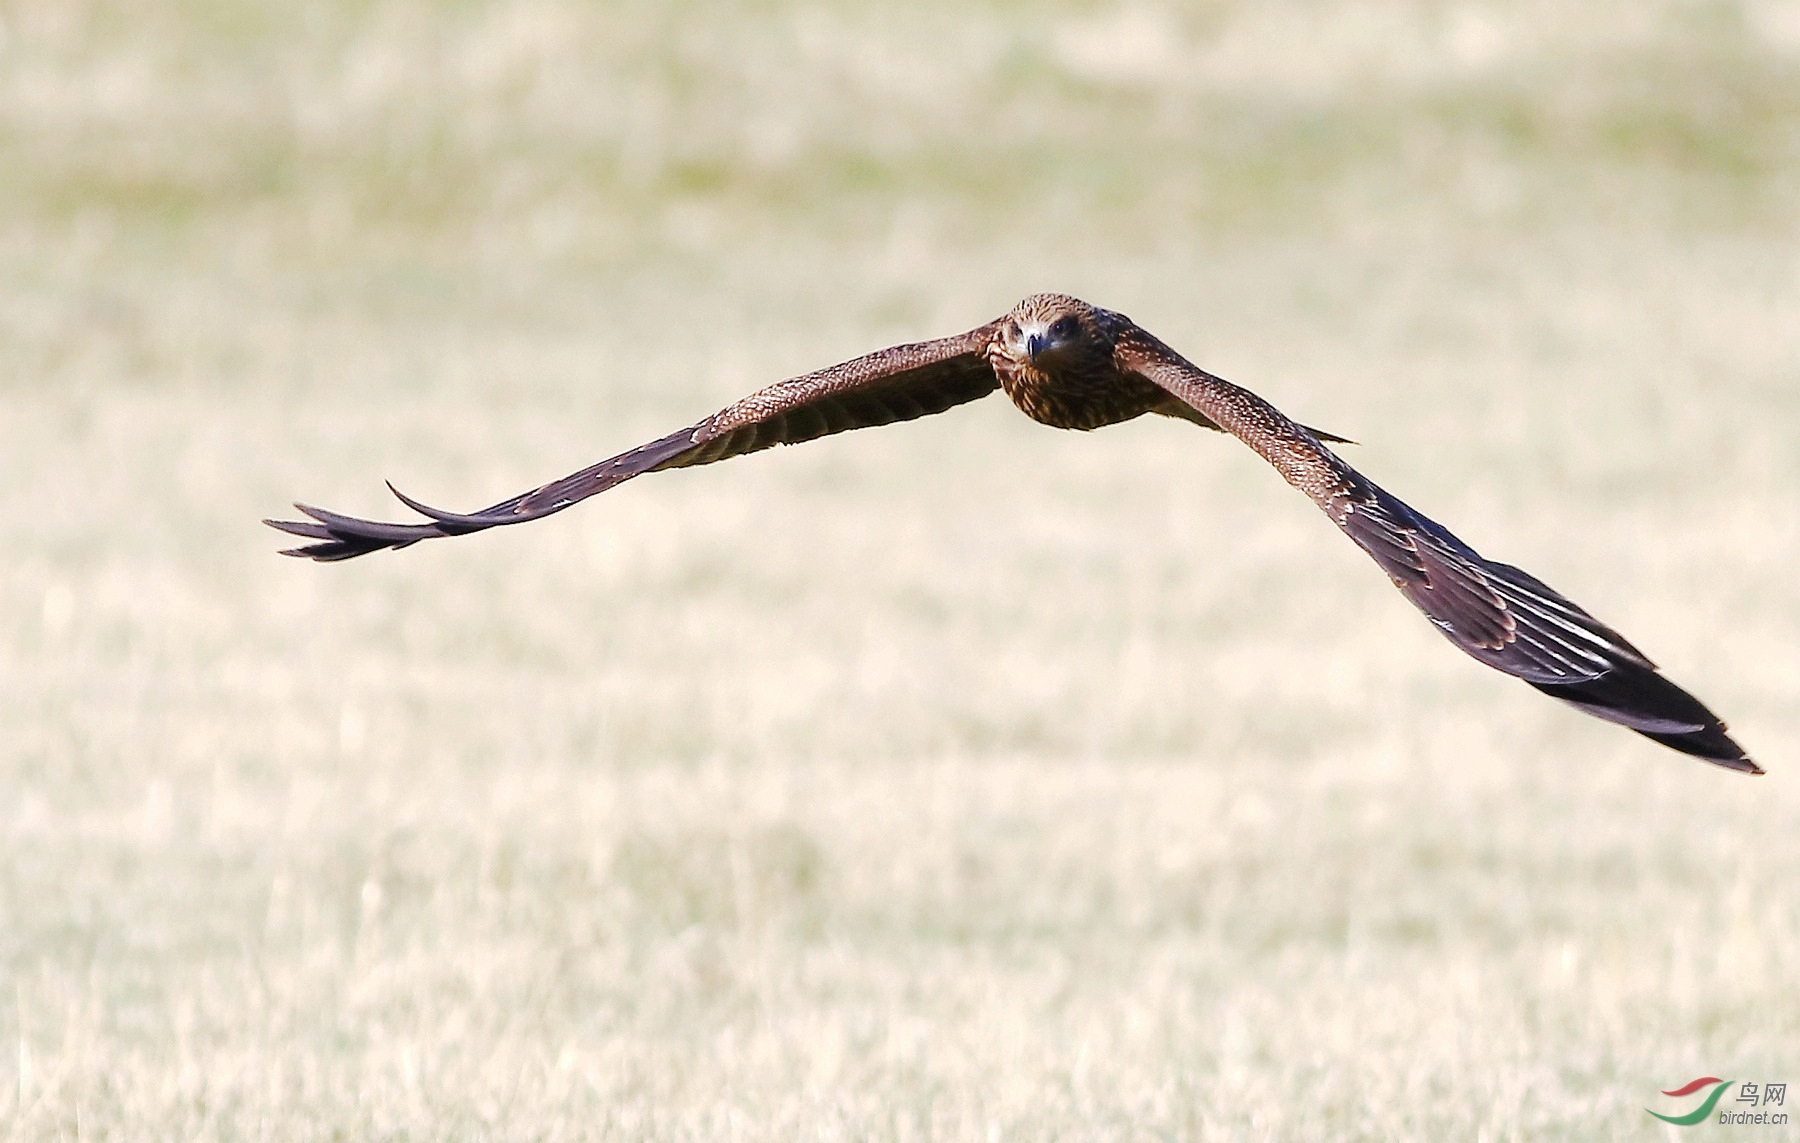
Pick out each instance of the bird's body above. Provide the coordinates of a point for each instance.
(1074, 398)
(1055, 359)
(1072, 365)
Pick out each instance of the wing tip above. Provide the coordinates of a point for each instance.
(334, 544)
(305, 530)
(1710, 744)
(1647, 701)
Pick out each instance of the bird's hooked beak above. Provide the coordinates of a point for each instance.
(1035, 343)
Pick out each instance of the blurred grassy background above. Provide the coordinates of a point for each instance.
(963, 780)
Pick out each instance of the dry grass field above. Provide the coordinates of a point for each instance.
(963, 780)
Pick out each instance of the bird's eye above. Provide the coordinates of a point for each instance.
(1062, 327)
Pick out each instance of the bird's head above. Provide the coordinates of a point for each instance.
(1047, 330)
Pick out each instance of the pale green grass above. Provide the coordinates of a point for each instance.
(963, 780)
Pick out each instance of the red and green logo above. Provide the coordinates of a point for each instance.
(1700, 1113)
(1705, 1108)
(1755, 1096)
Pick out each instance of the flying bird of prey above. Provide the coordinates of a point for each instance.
(1071, 365)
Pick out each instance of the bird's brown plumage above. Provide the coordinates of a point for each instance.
(1071, 365)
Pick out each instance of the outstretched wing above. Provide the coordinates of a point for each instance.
(897, 384)
(1495, 612)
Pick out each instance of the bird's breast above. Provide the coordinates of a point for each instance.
(1076, 397)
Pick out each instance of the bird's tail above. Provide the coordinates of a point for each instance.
(1183, 411)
